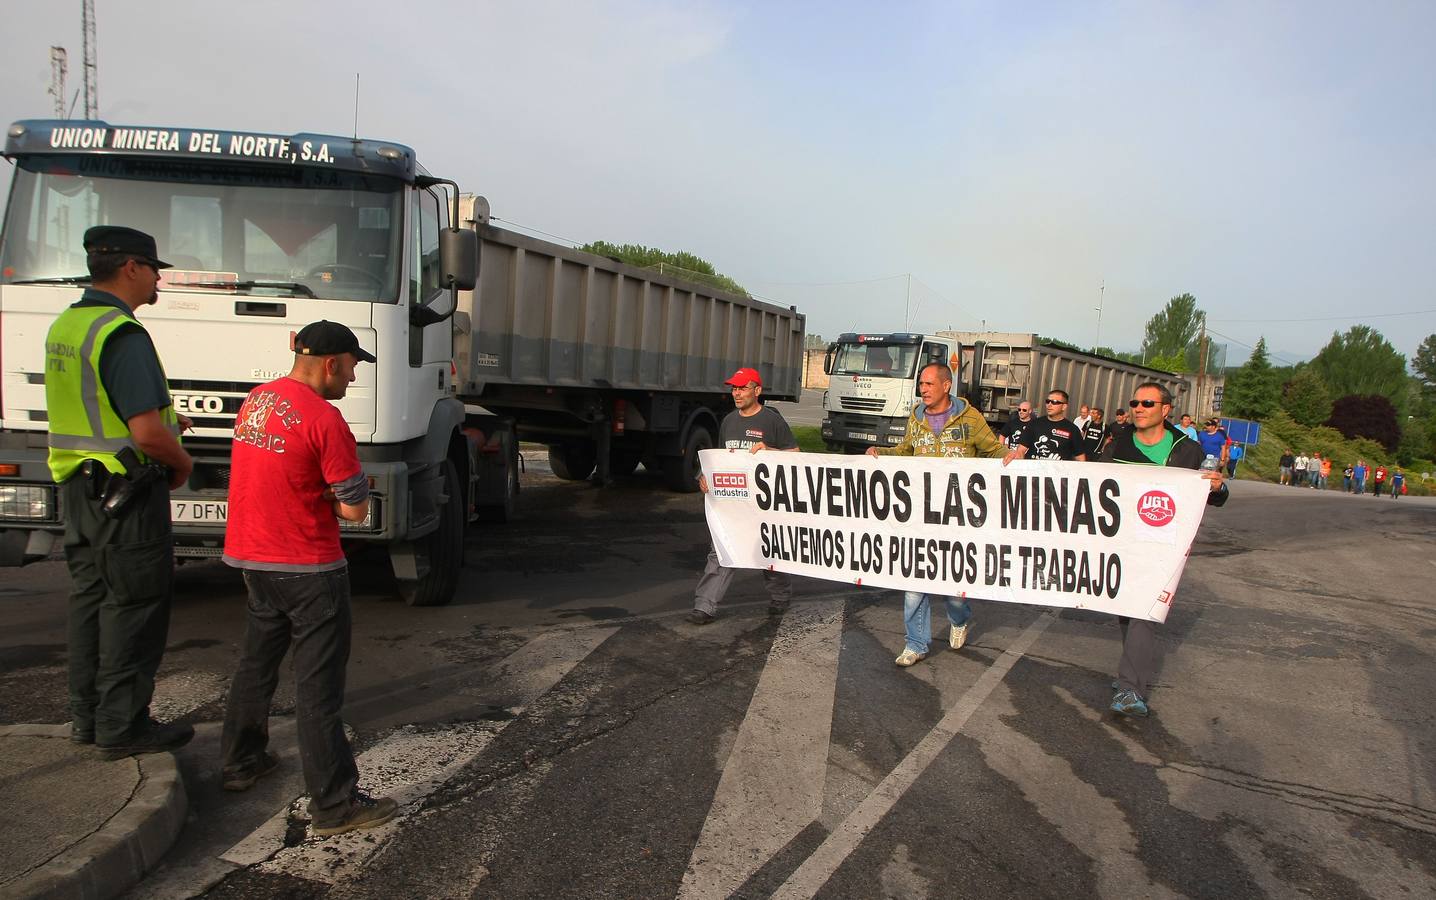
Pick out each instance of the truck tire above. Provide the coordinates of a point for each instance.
(441, 552)
(681, 472)
(572, 461)
(499, 513)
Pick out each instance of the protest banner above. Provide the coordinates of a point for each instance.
(1100, 536)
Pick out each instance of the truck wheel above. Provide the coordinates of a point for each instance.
(572, 462)
(499, 513)
(681, 472)
(440, 553)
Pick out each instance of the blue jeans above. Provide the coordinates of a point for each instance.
(309, 610)
(917, 617)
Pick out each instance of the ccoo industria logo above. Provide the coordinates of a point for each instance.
(729, 485)
(1156, 508)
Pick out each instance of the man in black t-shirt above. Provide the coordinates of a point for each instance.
(753, 427)
(1053, 437)
(1095, 433)
(1011, 432)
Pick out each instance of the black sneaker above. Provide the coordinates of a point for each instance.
(244, 779)
(776, 608)
(364, 812)
(699, 617)
(152, 737)
(82, 734)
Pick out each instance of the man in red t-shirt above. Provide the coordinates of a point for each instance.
(295, 468)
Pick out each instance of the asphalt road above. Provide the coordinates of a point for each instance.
(561, 731)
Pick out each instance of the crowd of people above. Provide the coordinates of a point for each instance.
(1315, 472)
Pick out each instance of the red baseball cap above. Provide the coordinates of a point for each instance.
(745, 377)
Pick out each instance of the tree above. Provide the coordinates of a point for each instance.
(1424, 363)
(1362, 362)
(1171, 331)
(1252, 391)
(1307, 398)
(1177, 363)
(1369, 416)
(679, 265)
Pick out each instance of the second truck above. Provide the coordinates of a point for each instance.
(872, 379)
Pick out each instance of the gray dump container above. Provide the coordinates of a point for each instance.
(1014, 367)
(545, 315)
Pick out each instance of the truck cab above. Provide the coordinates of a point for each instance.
(872, 386)
(265, 233)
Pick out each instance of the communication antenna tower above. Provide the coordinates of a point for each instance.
(59, 65)
(92, 80)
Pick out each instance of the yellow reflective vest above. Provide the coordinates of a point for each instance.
(83, 422)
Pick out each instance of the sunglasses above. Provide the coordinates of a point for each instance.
(1056, 402)
(1145, 404)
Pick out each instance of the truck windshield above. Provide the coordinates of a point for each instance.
(875, 359)
(224, 227)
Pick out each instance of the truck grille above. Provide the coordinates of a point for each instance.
(862, 404)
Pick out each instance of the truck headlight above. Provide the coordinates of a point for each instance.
(29, 502)
(365, 524)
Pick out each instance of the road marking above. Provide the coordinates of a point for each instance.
(772, 783)
(1094, 824)
(849, 833)
(408, 765)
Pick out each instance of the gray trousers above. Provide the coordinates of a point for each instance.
(1138, 667)
(715, 580)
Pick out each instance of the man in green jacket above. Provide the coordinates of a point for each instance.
(110, 415)
(943, 426)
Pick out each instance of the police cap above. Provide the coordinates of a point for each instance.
(119, 239)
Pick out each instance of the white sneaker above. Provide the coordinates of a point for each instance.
(908, 658)
(957, 637)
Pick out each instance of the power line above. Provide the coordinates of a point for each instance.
(1418, 312)
(1249, 346)
(829, 283)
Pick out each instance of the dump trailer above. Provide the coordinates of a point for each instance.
(1000, 369)
(269, 232)
(607, 364)
(873, 376)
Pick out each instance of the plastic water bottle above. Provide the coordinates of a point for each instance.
(1211, 463)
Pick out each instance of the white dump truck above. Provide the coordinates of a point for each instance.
(484, 337)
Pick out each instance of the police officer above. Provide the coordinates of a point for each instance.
(112, 428)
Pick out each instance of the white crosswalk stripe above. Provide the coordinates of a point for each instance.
(772, 783)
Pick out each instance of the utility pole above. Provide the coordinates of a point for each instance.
(59, 65)
(1202, 367)
(1101, 296)
(92, 78)
(907, 305)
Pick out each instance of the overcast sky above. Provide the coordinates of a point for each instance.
(1277, 160)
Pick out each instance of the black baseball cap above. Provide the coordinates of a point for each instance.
(325, 338)
(119, 239)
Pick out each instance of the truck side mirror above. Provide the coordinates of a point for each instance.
(828, 359)
(459, 258)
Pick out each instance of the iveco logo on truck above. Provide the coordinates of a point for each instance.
(203, 404)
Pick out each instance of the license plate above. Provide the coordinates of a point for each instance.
(866, 437)
(216, 511)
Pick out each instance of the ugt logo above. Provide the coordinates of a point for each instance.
(1156, 508)
(730, 480)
